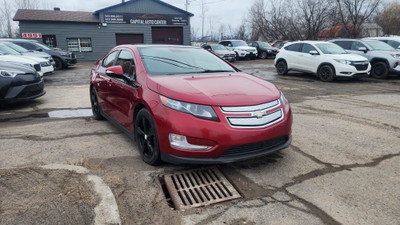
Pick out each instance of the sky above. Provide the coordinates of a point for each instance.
(217, 11)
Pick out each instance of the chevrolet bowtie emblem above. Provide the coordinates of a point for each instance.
(259, 114)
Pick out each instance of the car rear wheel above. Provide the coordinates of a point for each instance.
(379, 70)
(326, 73)
(59, 64)
(146, 137)
(281, 67)
(263, 55)
(95, 105)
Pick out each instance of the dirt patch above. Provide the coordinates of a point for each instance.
(41, 196)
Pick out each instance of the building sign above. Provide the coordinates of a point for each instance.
(31, 35)
(145, 19)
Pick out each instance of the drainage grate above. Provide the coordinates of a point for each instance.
(199, 187)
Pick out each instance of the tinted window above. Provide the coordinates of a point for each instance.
(28, 46)
(394, 44)
(344, 44)
(225, 43)
(294, 47)
(356, 45)
(109, 60)
(307, 48)
(125, 60)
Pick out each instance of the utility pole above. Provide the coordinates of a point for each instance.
(202, 20)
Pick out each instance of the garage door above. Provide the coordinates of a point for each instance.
(167, 35)
(129, 39)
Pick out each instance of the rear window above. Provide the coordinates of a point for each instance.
(294, 47)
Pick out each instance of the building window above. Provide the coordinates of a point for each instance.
(79, 44)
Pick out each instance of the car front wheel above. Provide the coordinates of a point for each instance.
(379, 70)
(95, 105)
(59, 64)
(263, 55)
(326, 73)
(281, 67)
(146, 137)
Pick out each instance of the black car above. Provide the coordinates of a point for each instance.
(62, 58)
(264, 49)
(19, 83)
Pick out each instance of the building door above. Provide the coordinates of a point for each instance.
(167, 35)
(50, 40)
(122, 39)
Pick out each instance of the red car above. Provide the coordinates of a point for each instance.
(183, 104)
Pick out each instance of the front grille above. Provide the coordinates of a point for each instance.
(360, 65)
(37, 67)
(32, 90)
(255, 116)
(254, 148)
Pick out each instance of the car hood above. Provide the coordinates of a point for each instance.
(246, 48)
(352, 57)
(224, 52)
(236, 89)
(37, 54)
(17, 59)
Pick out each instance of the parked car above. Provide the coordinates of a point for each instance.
(241, 48)
(19, 82)
(221, 51)
(392, 41)
(326, 60)
(26, 52)
(264, 49)
(280, 44)
(63, 59)
(9, 54)
(185, 105)
(384, 58)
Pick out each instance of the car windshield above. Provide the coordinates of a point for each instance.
(238, 43)
(264, 45)
(330, 48)
(43, 46)
(17, 48)
(218, 47)
(5, 50)
(167, 60)
(379, 46)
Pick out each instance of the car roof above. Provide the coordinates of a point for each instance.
(384, 38)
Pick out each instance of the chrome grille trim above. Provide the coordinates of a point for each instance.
(254, 122)
(249, 109)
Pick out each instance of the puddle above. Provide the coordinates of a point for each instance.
(70, 113)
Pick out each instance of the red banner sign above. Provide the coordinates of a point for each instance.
(31, 35)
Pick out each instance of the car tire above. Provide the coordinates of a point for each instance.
(264, 55)
(326, 73)
(146, 137)
(96, 110)
(59, 64)
(281, 67)
(379, 70)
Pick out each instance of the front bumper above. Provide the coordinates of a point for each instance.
(47, 70)
(247, 54)
(350, 71)
(23, 93)
(395, 68)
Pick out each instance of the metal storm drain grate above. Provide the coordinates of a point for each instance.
(199, 188)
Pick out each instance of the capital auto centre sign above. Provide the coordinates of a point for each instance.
(31, 35)
(145, 19)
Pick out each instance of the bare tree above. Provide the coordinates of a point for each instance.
(354, 13)
(6, 13)
(389, 19)
(28, 4)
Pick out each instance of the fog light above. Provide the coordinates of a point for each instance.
(180, 141)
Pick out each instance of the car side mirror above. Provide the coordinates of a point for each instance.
(363, 49)
(39, 49)
(313, 52)
(115, 71)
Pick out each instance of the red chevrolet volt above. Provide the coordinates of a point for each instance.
(183, 104)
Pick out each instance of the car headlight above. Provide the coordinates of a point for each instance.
(397, 56)
(63, 53)
(347, 62)
(197, 110)
(283, 99)
(4, 73)
(269, 51)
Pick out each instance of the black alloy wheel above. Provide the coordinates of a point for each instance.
(281, 67)
(59, 63)
(95, 105)
(326, 73)
(379, 70)
(263, 55)
(146, 138)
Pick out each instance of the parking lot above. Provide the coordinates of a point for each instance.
(343, 166)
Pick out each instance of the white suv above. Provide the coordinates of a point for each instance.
(241, 48)
(324, 59)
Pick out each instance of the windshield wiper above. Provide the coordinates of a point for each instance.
(215, 71)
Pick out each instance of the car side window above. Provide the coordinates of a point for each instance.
(224, 43)
(344, 44)
(356, 45)
(109, 60)
(394, 44)
(307, 48)
(125, 60)
(27, 45)
(294, 47)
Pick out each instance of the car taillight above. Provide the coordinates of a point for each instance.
(277, 51)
